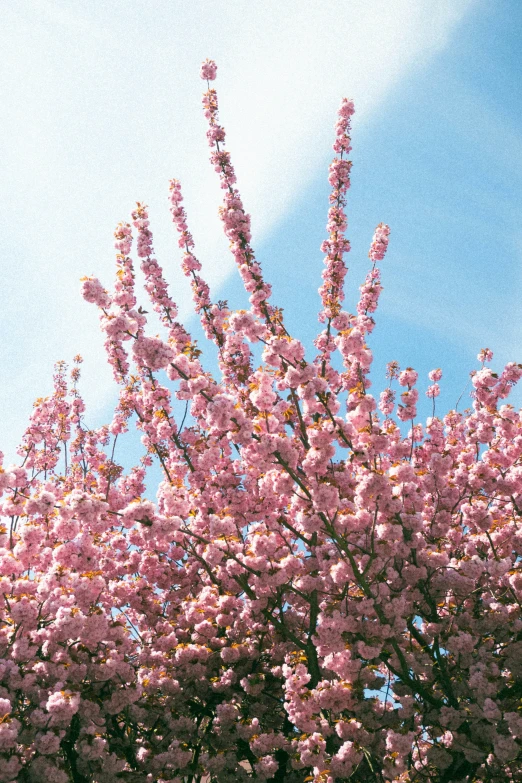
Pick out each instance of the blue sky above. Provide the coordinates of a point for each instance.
(101, 107)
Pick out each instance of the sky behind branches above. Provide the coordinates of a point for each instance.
(101, 105)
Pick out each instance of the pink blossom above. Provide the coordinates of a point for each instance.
(152, 352)
(485, 355)
(5, 707)
(297, 579)
(93, 291)
(208, 70)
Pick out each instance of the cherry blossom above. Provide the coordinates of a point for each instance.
(322, 587)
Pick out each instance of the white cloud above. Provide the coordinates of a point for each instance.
(102, 107)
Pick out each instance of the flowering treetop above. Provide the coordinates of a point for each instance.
(314, 595)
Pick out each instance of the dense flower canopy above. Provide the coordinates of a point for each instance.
(323, 589)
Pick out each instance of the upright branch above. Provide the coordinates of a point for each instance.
(235, 358)
(236, 222)
(335, 247)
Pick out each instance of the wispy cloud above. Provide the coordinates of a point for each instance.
(464, 282)
(101, 107)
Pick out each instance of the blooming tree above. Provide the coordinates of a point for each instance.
(323, 590)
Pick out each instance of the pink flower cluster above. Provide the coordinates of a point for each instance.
(208, 70)
(320, 589)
